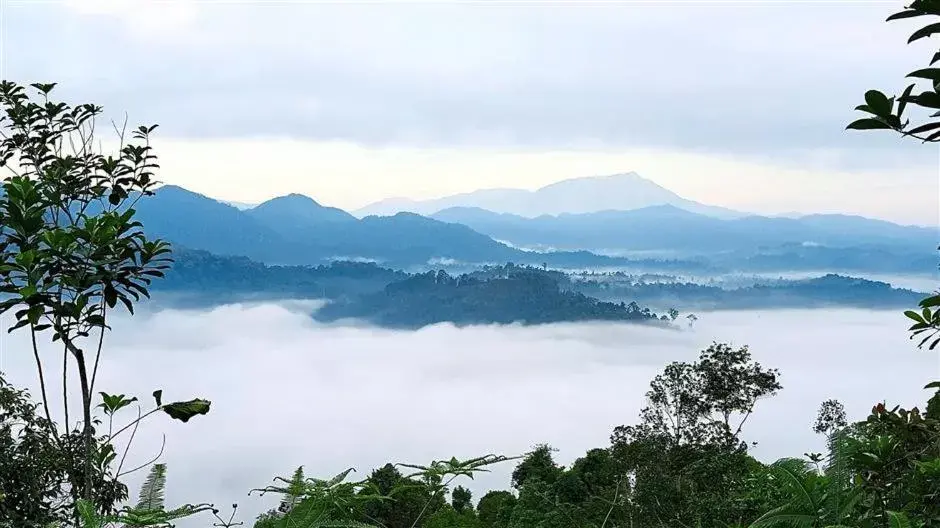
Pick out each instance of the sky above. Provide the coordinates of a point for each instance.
(735, 103)
(286, 391)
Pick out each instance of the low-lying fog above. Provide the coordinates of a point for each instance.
(287, 391)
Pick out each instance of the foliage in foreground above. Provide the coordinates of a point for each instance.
(888, 113)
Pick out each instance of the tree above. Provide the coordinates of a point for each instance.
(495, 509)
(461, 499)
(33, 471)
(831, 417)
(685, 458)
(888, 113)
(705, 402)
(407, 499)
(537, 464)
(71, 253)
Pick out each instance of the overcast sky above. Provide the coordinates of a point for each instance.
(740, 104)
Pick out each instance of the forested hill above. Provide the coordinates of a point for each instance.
(827, 291)
(492, 294)
(520, 295)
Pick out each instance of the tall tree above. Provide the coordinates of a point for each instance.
(685, 459)
(71, 253)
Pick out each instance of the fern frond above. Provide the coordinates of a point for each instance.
(151, 493)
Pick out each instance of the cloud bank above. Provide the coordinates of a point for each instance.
(287, 391)
(762, 78)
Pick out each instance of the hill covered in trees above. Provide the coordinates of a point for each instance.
(830, 290)
(494, 294)
(518, 295)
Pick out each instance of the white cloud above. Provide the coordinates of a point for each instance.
(147, 19)
(286, 391)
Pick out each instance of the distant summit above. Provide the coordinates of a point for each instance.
(616, 192)
(298, 212)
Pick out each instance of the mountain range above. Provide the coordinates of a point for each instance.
(670, 228)
(297, 230)
(619, 192)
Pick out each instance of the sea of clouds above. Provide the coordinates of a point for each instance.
(287, 391)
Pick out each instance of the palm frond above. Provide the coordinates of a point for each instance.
(796, 476)
(784, 516)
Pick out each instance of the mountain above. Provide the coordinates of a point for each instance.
(197, 221)
(670, 228)
(295, 215)
(578, 195)
(297, 230)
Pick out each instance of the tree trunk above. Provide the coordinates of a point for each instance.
(87, 429)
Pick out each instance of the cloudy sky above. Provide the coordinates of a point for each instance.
(740, 104)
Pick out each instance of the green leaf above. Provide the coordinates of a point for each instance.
(911, 314)
(924, 128)
(158, 397)
(868, 123)
(932, 385)
(927, 73)
(185, 410)
(90, 518)
(927, 100)
(898, 520)
(878, 102)
(111, 403)
(902, 101)
(925, 31)
(110, 296)
(909, 13)
(930, 301)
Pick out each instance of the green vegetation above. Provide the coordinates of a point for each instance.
(827, 291)
(515, 294)
(71, 252)
(493, 294)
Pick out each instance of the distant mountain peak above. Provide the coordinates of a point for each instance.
(299, 211)
(622, 191)
(292, 199)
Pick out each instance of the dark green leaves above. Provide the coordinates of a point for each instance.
(185, 410)
(879, 103)
(111, 403)
(910, 13)
(925, 31)
(869, 123)
(926, 73)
